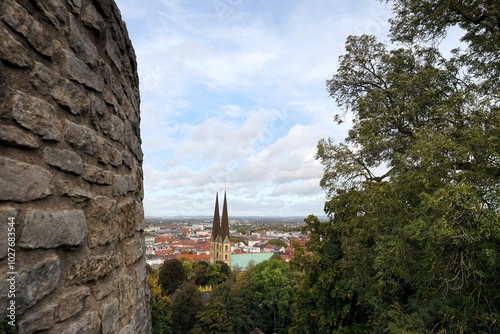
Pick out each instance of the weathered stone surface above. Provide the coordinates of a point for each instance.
(127, 294)
(132, 251)
(12, 51)
(97, 175)
(112, 50)
(63, 91)
(82, 46)
(69, 120)
(120, 185)
(75, 193)
(127, 159)
(92, 18)
(140, 224)
(107, 153)
(38, 320)
(126, 215)
(117, 128)
(92, 268)
(104, 287)
(22, 182)
(55, 11)
(87, 323)
(65, 160)
(102, 227)
(49, 229)
(13, 136)
(126, 330)
(140, 271)
(71, 302)
(81, 138)
(81, 72)
(7, 214)
(19, 19)
(36, 282)
(36, 115)
(108, 316)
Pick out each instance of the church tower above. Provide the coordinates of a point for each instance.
(220, 244)
(214, 249)
(225, 243)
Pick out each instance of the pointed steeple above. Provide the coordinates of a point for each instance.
(216, 224)
(224, 228)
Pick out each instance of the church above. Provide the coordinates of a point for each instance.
(220, 244)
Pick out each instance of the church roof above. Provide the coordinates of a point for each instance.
(216, 224)
(224, 228)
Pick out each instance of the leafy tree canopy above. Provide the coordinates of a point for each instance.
(172, 274)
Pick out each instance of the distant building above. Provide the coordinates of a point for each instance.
(220, 244)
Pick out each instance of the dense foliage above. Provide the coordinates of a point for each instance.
(413, 242)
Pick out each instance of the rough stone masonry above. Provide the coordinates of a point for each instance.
(71, 169)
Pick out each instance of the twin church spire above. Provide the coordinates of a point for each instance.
(220, 244)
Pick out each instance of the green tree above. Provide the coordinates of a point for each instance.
(323, 302)
(430, 20)
(274, 289)
(171, 275)
(200, 273)
(277, 242)
(160, 305)
(414, 196)
(185, 307)
(215, 318)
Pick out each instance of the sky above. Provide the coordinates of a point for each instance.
(233, 97)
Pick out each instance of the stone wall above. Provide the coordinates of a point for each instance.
(70, 169)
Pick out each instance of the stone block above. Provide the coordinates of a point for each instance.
(81, 44)
(79, 71)
(12, 51)
(63, 91)
(20, 20)
(127, 293)
(22, 182)
(92, 18)
(55, 11)
(140, 271)
(102, 227)
(127, 159)
(107, 153)
(87, 323)
(6, 212)
(71, 302)
(81, 137)
(120, 185)
(36, 281)
(104, 287)
(49, 229)
(126, 217)
(108, 316)
(97, 175)
(132, 251)
(36, 115)
(112, 49)
(117, 128)
(37, 320)
(76, 6)
(126, 330)
(75, 193)
(92, 268)
(13, 136)
(65, 160)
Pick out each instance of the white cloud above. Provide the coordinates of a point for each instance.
(233, 92)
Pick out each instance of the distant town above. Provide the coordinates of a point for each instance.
(189, 237)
